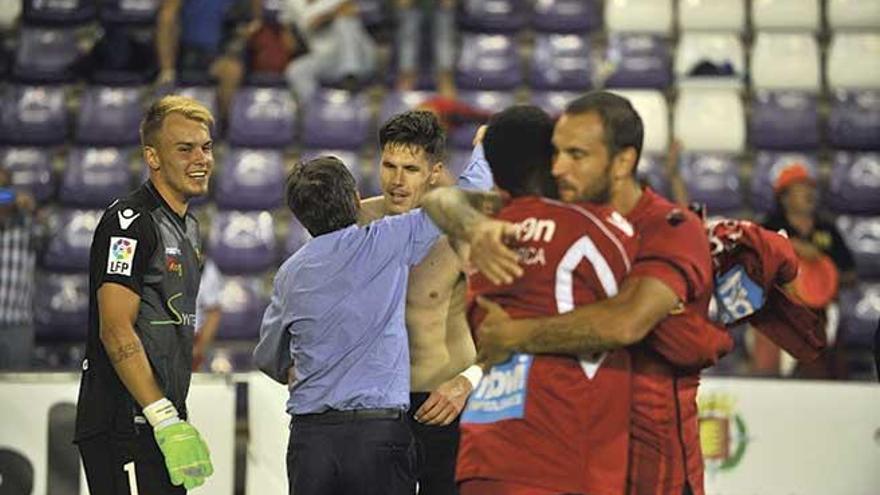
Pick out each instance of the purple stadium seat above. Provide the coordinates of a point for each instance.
(94, 177)
(490, 101)
(262, 117)
(336, 119)
(31, 169)
(561, 61)
(491, 61)
(109, 117)
(854, 122)
(495, 16)
(244, 300)
(372, 12)
(639, 61)
(243, 241)
(68, 249)
(567, 16)
(33, 115)
(650, 171)
(862, 236)
(768, 165)
(368, 183)
(784, 120)
(46, 55)
(400, 101)
(713, 179)
(553, 102)
(129, 11)
(58, 12)
(61, 311)
(250, 179)
(206, 95)
(859, 313)
(297, 236)
(854, 186)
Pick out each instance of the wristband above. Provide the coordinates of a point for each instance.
(473, 374)
(161, 413)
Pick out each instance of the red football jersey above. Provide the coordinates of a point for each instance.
(554, 422)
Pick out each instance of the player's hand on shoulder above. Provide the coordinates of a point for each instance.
(445, 403)
(491, 253)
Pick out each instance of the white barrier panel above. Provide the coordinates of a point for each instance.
(268, 427)
(39, 406)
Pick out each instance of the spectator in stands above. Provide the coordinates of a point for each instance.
(409, 40)
(17, 257)
(190, 38)
(824, 260)
(339, 47)
(208, 312)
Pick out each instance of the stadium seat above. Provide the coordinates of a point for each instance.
(367, 180)
(297, 236)
(396, 102)
(372, 12)
(94, 177)
(639, 61)
(652, 107)
(786, 15)
(712, 179)
(490, 62)
(560, 62)
(567, 16)
(710, 60)
(853, 14)
(786, 61)
(491, 101)
(59, 12)
(243, 301)
(262, 117)
(854, 121)
(109, 116)
(61, 307)
(250, 179)
(129, 11)
(768, 166)
(852, 61)
(854, 185)
(68, 248)
(336, 119)
(784, 120)
(10, 14)
(33, 115)
(206, 95)
(31, 169)
(639, 16)
(497, 16)
(862, 236)
(553, 102)
(712, 15)
(860, 312)
(46, 56)
(243, 242)
(710, 120)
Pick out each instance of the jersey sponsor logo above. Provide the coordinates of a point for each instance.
(120, 258)
(126, 218)
(737, 295)
(173, 265)
(535, 230)
(179, 318)
(530, 255)
(501, 394)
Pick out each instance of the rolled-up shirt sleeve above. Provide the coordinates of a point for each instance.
(272, 353)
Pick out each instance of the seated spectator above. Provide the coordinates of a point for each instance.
(339, 47)
(190, 38)
(411, 14)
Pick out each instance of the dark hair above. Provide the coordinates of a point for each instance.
(621, 125)
(519, 148)
(415, 128)
(322, 194)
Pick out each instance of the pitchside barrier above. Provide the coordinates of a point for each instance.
(760, 437)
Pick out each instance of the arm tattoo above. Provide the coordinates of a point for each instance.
(553, 339)
(125, 352)
(450, 209)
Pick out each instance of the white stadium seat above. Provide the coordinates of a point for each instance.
(712, 15)
(651, 106)
(786, 61)
(639, 16)
(786, 15)
(854, 61)
(710, 120)
(717, 48)
(853, 14)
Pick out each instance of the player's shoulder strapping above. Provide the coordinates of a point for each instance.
(601, 218)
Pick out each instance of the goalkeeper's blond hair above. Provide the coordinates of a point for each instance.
(165, 106)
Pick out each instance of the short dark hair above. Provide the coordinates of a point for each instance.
(322, 194)
(621, 125)
(417, 129)
(519, 148)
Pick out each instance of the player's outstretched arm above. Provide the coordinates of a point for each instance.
(615, 322)
(186, 454)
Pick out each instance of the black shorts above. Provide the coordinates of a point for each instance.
(111, 463)
(437, 448)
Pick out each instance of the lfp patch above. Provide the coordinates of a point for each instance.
(120, 258)
(737, 295)
(501, 393)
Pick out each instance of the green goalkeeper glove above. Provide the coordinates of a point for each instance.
(186, 454)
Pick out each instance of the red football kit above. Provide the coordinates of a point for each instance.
(555, 423)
